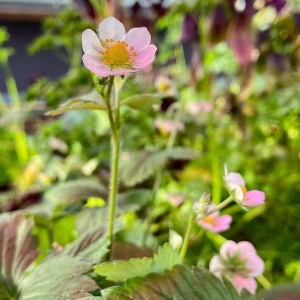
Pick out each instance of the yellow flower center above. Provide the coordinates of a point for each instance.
(117, 55)
(244, 190)
(209, 220)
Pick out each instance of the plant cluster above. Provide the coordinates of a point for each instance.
(128, 189)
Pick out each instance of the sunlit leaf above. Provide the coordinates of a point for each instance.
(143, 101)
(166, 258)
(91, 100)
(95, 202)
(180, 283)
(18, 250)
(58, 278)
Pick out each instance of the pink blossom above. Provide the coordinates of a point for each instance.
(214, 222)
(175, 199)
(115, 52)
(235, 184)
(168, 126)
(199, 106)
(239, 263)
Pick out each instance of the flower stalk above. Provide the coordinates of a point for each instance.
(113, 116)
(192, 220)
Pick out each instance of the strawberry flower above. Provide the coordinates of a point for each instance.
(214, 222)
(113, 52)
(235, 184)
(239, 263)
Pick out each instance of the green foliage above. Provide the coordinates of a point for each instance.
(143, 101)
(74, 191)
(90, 101)
(145, 164)
(280, 292)
(179, 283)
(165, 259)
(60, 276)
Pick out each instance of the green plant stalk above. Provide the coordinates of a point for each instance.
(115, 155)
(113, 187)
(192, 219)
(264, 281)
(187, 235)
(20, 139)
(214, 158)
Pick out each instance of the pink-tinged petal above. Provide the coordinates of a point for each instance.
(254, 198)
(94, 64)
(90, 42)
(145, 57)
(236, 178)
(245, 248)
(139, 38)
(223, 223)
(228, 249)
(215, 265)
(111, 28)
(254, 265)
(241, 282)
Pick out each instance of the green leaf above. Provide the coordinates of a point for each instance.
(95, 202)
(74, 191)
(166, 258)
(122, 270)
(92, 245)
(91, 100)
(290, 291)
(141, 165)
(142, 101)
(58, 278)
(18, 250)
(180, 283)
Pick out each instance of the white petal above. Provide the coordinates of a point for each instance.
(111, 28)
(145, 58)
(94, 64)
(90, 42)
(139, 38)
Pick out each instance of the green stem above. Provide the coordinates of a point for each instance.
(187, 235)
(264, 281)
(19, 136)
(192, 219)
(115, 149)
(113, 187)
(218, 207)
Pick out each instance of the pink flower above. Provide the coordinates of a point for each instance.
(199, 106)
(115, 52)
(168, 126)
(214, 222)
(239, 263)
(235, 184)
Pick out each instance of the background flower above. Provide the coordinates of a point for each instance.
(239, 263)
(235, 184)
(214, 222)
(114, 52)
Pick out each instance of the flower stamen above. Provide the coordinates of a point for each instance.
(117, 54)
